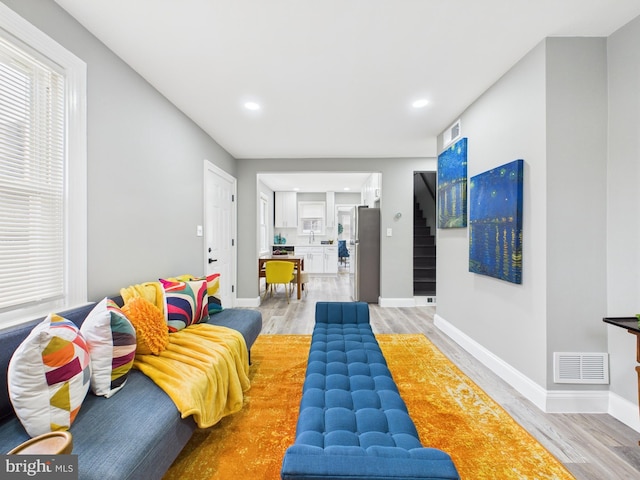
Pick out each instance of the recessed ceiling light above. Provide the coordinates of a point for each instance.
(346, 188)
(296, 189)
(252, 106)
(423, 102)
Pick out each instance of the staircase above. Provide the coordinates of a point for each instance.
(424, 256)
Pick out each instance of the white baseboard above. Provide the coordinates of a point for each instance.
(396, 302)
(523, 384)
(248, 302)
(624, 410)
(549, 401)
(425, 301)
(577, 401)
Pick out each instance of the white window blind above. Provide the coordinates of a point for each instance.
(32, 179)
(311, 219)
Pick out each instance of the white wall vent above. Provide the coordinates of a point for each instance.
(588, 368)
(451, 134)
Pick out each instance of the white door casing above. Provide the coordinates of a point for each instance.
(220, 230)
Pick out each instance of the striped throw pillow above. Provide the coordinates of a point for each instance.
(213, 287)
(186, 303)
(112, 346)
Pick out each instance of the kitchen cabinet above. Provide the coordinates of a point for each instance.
(313, 258)
(286, 210)
(330, 259)
(319, 258)
(371, 190)
(331, 209)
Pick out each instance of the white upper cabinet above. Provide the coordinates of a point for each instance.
(331, 209)
(286, 210)
(371, 190)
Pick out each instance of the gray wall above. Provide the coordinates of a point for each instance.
(623, 203)
(145, 165)
(397, 196)
(550, 110)
(576, 196)
(506, 123)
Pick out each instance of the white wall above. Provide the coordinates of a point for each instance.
(145, 162)
(623, 203)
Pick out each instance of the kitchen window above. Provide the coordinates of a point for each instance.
(311, 218)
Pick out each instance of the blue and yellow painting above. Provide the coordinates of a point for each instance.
(495, 222)
(452, 186)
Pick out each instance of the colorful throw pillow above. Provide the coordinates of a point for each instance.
(112, 346)
(49, 376)
(186, 303)
(213, 287)
(152, 336)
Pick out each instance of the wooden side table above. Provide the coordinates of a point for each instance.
(53, 443)
(631, 325)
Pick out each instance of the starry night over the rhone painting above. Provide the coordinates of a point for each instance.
(452, 186)
(495, 222)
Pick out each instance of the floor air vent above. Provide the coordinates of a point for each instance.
(589, 368)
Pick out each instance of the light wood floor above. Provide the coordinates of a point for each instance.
(592, 447)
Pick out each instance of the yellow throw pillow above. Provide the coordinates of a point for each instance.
(152, 334)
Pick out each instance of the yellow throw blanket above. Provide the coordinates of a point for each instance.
(151, 291)
(204, 370)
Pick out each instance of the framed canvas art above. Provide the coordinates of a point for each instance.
(495, 222)
(452, 186)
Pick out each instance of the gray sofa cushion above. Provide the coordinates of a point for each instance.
(144, 415)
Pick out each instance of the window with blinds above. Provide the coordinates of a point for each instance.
(32, 180)
(43, 173)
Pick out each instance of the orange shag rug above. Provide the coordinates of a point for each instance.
(450, 412)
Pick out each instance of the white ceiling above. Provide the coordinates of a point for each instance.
(335, 78)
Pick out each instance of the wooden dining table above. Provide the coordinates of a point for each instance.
(298, 261)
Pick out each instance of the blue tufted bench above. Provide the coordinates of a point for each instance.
(353, 424)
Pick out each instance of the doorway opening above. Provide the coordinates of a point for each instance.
(424, 238)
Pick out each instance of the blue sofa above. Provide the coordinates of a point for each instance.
(137, 433)
(353, 424)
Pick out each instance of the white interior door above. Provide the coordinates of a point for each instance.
(220, 230)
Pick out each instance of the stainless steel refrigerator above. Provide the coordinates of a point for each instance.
(365, 261)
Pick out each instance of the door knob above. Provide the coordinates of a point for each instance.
(211, 260)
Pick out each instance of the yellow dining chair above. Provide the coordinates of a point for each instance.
(278, 272)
